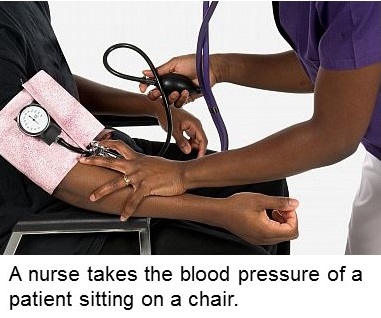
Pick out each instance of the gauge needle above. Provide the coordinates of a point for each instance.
(34, 119)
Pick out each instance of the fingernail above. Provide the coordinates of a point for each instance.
(186, 148)
(293, 202)
(92, 197)
(123, 218)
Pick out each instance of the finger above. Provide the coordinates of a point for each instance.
(287, 230)
(202, 143)
(133, 201)
(197, 145)
(193, 97)
(143, 87)
(173, 97)
(288, 214)
(182, 99)
(276, 233)
(108, 188)
(106, 162)
(183, 143)
(120, 147)
(198, 139)
(277, 203)
(291, 218)
(277, 216)
(272, 232)
(147, 73)
(201, 150)
(154, 94)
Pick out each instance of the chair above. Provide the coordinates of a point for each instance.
(87, 222)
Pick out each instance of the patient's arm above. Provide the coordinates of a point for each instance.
(101, 99)
(242, 214)
(105, 100)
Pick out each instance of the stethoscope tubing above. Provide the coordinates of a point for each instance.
(202, 67)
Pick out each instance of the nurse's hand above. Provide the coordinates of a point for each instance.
(184, 65)
(147, 175)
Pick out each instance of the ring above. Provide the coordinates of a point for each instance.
(127, 180)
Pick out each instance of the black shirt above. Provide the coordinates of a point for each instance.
(27, 45)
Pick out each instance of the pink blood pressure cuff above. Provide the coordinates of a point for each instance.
(46, 165)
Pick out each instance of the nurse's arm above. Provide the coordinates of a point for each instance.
(280, 72)
(343, 105)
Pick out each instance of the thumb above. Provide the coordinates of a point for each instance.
(148, 73)
(278, 203)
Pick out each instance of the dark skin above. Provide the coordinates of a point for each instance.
(243, 214)
(343, 106)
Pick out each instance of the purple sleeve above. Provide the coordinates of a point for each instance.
(351, 34)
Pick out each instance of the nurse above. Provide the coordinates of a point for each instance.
(336, 55)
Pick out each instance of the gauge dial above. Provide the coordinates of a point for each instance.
(33, 120)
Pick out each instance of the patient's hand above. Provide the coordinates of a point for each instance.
(184, 122)
(248, 219)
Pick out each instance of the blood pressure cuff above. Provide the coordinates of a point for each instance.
(46, 165)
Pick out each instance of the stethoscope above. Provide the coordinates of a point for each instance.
(202, 67)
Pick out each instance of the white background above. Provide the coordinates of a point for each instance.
(166, 29)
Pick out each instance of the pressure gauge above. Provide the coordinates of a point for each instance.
(33, 120)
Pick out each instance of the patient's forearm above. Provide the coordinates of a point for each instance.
(242, 214)
(75, 189)
(102, 99)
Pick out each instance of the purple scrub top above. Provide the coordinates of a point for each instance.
(336, 36)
